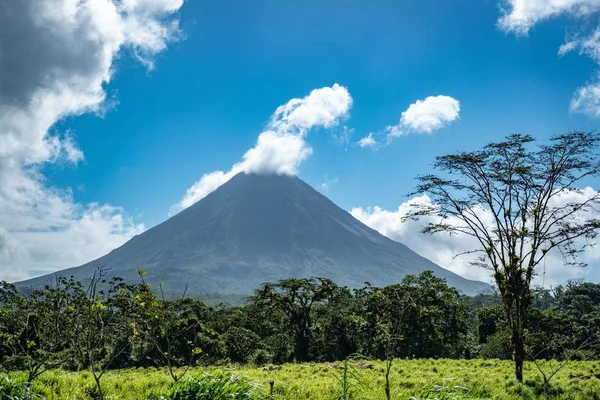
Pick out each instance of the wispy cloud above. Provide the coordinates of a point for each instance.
(326, 186)
(519, 16)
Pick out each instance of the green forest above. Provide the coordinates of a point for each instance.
(111, 325)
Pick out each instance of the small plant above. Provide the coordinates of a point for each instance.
(351, 382)
(13, 390)
(214, 387)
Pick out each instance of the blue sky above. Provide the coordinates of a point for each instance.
(210, 95)
(216, 80)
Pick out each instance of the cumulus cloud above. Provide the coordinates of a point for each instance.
(447, 250)
(56, 57)
(281, 147)
(422, 116)
(520, 16)
(439, 248)
(430, 114)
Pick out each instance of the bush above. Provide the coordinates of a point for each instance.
(215, 387)
(497, 346)
(240, 343)
(281, 348)
(12, 390)
(261, 357)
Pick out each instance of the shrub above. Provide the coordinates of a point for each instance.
(497, 346)
(215, 387)
(261, 357)
(240, 343)
(12, 390)
(280, 347)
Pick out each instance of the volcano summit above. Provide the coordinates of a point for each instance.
(262, 228)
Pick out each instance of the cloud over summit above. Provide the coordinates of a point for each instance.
(281, 147)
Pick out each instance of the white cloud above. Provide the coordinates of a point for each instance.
(443, 248)
(422, 116)
(72, 152)
(521, 15)
(281, 147)
(368, 141)
(393, 132)
(57, 55)
(586, 99)
(439, 248)
(430, 114)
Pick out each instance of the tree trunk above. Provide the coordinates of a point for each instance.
(387, 377)
(99, 387)
(302, 343)
(519, 352)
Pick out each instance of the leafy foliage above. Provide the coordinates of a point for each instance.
(12, 390)
(120, 325)
(215, 387)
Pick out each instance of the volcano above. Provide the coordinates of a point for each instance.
(262, 228)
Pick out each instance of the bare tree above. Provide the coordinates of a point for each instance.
(391, 327)
(102, 327)
(547, 375)
(531, 193)
(162, 326)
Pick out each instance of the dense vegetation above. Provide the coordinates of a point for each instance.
(112, 325)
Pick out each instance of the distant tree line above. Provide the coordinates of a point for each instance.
(111, 324)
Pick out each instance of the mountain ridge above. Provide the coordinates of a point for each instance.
(261, 228)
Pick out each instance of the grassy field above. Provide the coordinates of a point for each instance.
(470, 379)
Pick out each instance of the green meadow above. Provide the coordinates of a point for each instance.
(409, 379)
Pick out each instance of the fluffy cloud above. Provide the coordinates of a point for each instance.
(446, 250)
(439, 248)
(423, 116)
(281, 147)
(430, 114)
(57, 55)
(520, 15)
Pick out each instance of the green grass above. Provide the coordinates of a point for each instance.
(421, 379)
